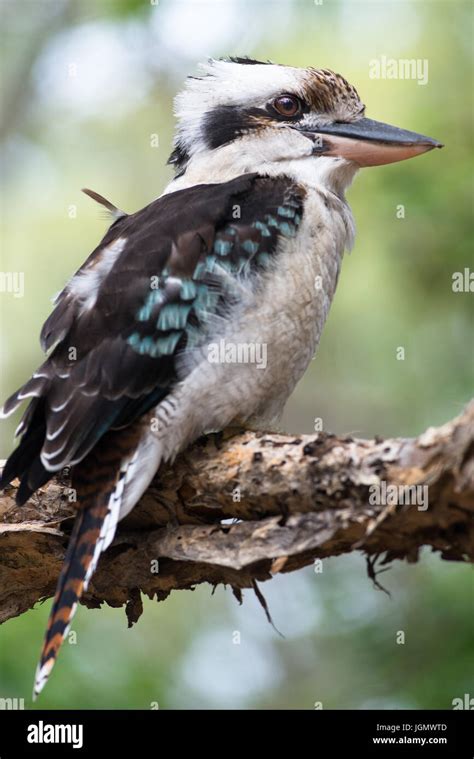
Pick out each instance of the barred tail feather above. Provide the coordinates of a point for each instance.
(93, 532)
(108, 485)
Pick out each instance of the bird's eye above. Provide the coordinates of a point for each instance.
(287, 105)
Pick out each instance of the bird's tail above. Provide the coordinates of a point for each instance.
(92, 533)
(108, 483)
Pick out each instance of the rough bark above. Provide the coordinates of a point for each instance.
(297, 499)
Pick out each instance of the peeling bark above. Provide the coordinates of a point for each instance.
(297, 499)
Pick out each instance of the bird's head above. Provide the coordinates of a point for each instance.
(244, 115)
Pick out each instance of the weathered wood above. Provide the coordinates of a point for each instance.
(297, 499)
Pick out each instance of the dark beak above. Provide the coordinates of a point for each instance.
(369, 142)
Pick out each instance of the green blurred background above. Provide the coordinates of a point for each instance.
(86, 86)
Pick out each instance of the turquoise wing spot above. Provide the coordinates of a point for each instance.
(286, 229)
(188, 289)
(286, 211)
(263, 228)
(153, 297)
(222, 247)
(146, 346)
(199, 270)
(134, 340)
(173, 316)
(272, 222)
(166, 345)
(264, 260)
(211, 263)
(250, 247)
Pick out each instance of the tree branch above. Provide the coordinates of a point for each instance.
(297, 498)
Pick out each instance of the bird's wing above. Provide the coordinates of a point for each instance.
(140, 300)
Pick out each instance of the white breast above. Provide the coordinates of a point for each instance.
(286, 316)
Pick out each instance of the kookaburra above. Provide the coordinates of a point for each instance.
(229, 254)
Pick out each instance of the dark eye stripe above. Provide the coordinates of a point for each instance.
(225, 123)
